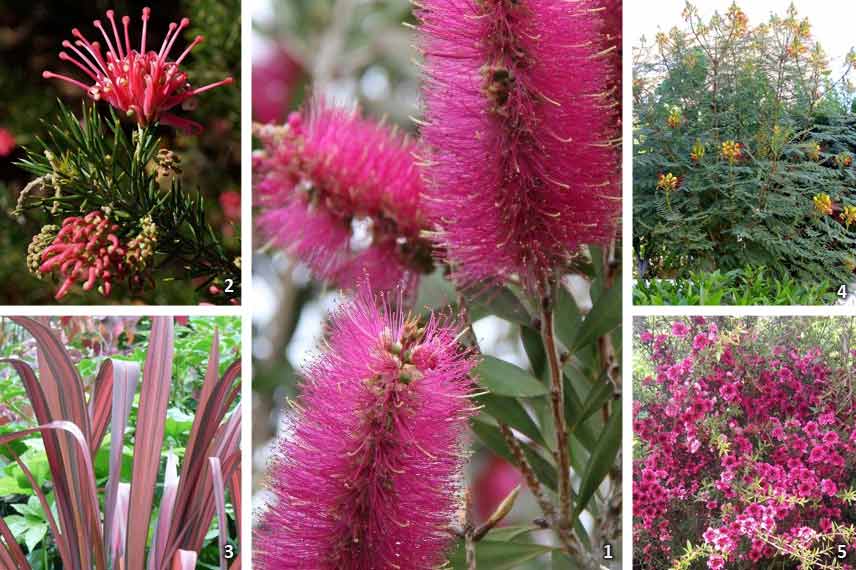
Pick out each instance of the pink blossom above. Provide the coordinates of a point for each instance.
(519, 120)
(143, 84)
(828, 487)
(369, 476)
(7, 142)
(680, 329)
(230, 202)
(276, 74)
(85, 250)
(343, 195)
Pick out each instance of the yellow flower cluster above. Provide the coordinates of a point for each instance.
(731, 151)
(823, 203)
(667, 182)
(848, 216)
(674, 120)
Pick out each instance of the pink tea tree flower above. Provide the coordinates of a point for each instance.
(368, 477)
(520, 124)
(752, 443)
(144, 84)
(87, 250)
(343, 194)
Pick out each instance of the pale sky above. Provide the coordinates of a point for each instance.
(832, 20)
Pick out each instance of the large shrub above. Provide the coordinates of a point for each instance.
(743, 150)
(746, 450)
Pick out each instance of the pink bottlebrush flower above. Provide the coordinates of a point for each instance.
(7, 142)
(143, 84)
(520, 123)
(85, 250)
(343, 194)
(369, 477)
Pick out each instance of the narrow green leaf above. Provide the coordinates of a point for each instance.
(490, 435)
(568, 318)
(601, 461)
(505, 379)
(603, 317)
(501, 303)
(509, 411)
(498, 555)
(534, 348)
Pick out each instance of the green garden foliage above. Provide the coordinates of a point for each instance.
(743, 144)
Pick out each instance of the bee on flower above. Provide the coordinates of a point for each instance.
(675, 119)
(848, 216)
(731, 151)
(697, 152)
(843, 160)
(668, 182)
(823, 203)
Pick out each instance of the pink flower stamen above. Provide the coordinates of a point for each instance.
(143, 84)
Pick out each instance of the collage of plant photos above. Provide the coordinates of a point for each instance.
(427, 285)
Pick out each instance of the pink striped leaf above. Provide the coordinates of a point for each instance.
(151, 417)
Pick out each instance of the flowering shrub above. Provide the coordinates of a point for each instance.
(747, 452)
(752, 144)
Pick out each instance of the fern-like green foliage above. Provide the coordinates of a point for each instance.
(98, 165)
(752, 123)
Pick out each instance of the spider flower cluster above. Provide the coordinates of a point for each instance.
(521, 114)
(86, 250)
(145, 84)
(368, 476)
(344, 195)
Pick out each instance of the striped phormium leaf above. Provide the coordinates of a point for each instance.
(73, 430)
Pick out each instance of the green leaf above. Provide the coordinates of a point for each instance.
(509, 411)
(490, 435)
(505, 379)
(498, 555)
(568, 318)
(501, 303)
(35, 533)
(534, 348)
(601, 461)
(603, 317)
(561, 561)
(509, 533)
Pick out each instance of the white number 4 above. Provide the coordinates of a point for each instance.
(842, 292)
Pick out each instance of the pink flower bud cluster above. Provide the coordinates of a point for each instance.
(749, 442)
(86, 250)
(144, 84)
(368, 477)
(521, 116)
(343, 195)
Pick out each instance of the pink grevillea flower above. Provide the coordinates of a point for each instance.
(368, 478)
(343, 194)
(7, 142)
(520, 121)
(85, 250)
(143, 84)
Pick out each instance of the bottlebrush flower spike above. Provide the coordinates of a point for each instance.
(519, 123)
(143, 84)
(85, 250)
(343, 194)
(368, 478)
